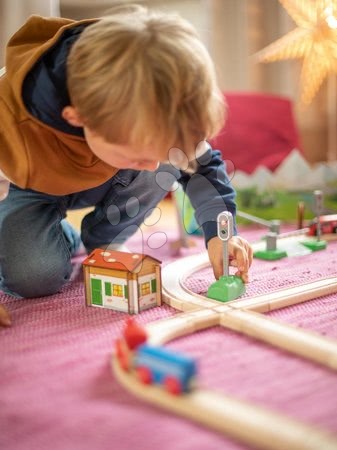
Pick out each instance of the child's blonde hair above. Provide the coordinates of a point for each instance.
(142, 77)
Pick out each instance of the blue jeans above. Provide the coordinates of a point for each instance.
(36, 245)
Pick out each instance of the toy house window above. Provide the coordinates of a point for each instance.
(145, 288)
(117, 290)
(107, 287)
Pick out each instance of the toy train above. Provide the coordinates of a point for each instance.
(151, 364)
(328, 225)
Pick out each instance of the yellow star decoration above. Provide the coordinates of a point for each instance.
(314, 40)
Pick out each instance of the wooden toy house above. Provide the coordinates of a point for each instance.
(128, 282)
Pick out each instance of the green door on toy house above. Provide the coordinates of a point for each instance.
(96, 292)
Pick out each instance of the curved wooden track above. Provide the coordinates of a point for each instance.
(250, 424)
(241, 314)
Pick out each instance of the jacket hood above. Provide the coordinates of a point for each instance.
(39, 154)
(29, 43)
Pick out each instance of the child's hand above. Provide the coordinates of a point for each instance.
(240, 252)
(4, 186)
(5, 320)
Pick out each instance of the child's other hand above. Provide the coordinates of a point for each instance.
(5, 320)
(240, 253)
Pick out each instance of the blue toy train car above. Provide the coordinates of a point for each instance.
(162, 366)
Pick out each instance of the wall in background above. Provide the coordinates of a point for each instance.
(233, 30)
(13, 14)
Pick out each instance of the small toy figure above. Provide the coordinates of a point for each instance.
(228, 287)
(127, 282)
(300, 215)
(153, 364)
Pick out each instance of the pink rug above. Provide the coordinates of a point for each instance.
(58, 392)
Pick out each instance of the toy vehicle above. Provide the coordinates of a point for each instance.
(153, 364)
(328, 225)
(162, 366)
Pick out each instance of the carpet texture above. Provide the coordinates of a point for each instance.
(58, 391)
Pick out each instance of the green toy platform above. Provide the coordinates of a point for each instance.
(315, 245)
(270, 255)
(226, 288)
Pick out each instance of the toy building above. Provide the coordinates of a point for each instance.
(128, 282)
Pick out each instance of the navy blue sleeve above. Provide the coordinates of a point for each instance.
(210, 192)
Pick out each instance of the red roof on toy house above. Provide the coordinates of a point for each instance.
(111, 259)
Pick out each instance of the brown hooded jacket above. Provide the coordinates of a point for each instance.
(32, 154)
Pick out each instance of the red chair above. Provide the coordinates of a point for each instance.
(260, 130)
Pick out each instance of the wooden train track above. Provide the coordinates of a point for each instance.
(248, 423)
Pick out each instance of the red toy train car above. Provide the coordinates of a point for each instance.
(328, 225)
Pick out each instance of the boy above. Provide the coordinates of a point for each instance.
(94, 113)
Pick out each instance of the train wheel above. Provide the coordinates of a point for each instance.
(173, 385)
(144, 375)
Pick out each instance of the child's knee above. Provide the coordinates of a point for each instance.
(33, 280)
